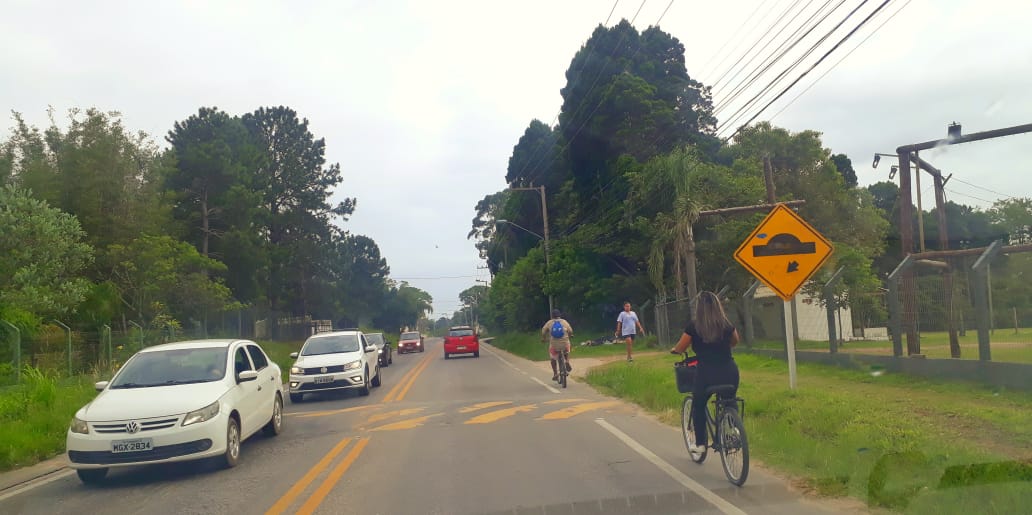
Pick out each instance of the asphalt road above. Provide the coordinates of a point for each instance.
(464, 435)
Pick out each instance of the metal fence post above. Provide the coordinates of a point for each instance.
(980, 292)
(830, 304)
(17, 350)
(747, 298)
(895, 309)
(68, 332)
(106, 336)
(134, 324)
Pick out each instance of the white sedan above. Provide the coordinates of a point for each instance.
(177, 402)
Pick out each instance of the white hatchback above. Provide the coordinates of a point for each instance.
(177, 402)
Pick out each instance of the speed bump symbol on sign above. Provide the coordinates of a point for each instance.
(784, 251)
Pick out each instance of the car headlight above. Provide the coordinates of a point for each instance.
(380, 351)
(79, 426)
(297, 370)
(206, 413)
(353, 365)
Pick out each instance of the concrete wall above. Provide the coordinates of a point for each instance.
(1017, 376)
(768, 313)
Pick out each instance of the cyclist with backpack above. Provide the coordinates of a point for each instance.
(558, 332)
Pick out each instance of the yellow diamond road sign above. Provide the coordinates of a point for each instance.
(783, 251)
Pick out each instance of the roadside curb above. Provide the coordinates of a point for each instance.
(18, 477)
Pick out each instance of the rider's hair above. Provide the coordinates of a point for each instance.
(710, 321)
(556, 313)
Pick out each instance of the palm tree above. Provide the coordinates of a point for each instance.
(673, 229)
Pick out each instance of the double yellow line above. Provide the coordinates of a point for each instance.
(312, 503)
(401, 389)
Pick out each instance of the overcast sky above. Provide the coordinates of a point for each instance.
(422, 102)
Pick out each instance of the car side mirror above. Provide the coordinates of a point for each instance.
(293, 355)
(247, 375)
(371, 348)
(100, 385)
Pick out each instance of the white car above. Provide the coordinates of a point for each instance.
(176, 402)
(334, 361)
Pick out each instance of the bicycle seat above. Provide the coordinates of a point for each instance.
(722, 390)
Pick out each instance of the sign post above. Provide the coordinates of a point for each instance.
(783, 252)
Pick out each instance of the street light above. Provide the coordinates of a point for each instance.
(877, 159)
(551, 304)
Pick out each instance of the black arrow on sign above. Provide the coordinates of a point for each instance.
(793, 266)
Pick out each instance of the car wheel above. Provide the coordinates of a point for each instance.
(275, 424)
(446, 355)
(390, 358)
(476, 354)
(365, 385)
(421, 349)
(232, 454)
(376, 380)
(297, 397)
(91, 476)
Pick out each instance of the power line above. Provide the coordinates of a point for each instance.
(832, 67)
(795, 38)
(667, 9)
(814, 65)
(763, 35)
(955, 192)
(784, 73)
(732, 38)
(984, 188)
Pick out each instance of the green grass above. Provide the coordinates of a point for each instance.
(34, 416)
(280, 353)
(530, 346)
(891, 440)
(1006, 346)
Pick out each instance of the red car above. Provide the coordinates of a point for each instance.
(462, 339)
(411, 341)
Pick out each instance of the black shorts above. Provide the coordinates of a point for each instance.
(626, 336)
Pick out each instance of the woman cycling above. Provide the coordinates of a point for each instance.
(712, 336)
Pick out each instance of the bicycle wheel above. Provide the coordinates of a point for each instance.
(562, 369)
(688, 430)
(734, 447)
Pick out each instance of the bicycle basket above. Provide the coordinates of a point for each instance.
(685, 372)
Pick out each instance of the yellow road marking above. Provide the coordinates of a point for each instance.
(483, 405)
(333, 411)
(564, 401)
(320, 493)
(391, 414)
(393, 394)
(494, 416)
(288, 498)
(405, 424)
(576, 410)
(412, 379)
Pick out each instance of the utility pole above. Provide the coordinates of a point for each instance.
(544, 218)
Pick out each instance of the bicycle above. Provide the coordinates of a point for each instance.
(724, 427)
(560, 359)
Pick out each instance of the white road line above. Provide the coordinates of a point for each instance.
(542, 383)
(514, 367)
(719, 502)
(35, 483)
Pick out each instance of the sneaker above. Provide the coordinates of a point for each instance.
(555, 377)
(569, 367)
(697, 449)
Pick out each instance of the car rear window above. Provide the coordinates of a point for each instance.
(375, 339)
(409, 336)
(460, 332)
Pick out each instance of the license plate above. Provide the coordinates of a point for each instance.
(461, 347)
(137, 445)
(323, 379)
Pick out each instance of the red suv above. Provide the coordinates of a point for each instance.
(411, 341)
(461, 339)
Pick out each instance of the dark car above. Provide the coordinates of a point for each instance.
(386, 354)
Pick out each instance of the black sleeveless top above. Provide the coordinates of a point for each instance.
(715, 353)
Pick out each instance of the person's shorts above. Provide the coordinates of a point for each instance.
(626, 336)
(554, 352)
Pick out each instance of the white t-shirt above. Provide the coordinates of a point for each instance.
(628, 323)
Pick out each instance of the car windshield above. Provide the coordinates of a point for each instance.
(171, 367)
(460, 332)
(331, 345)
(374, 339)
(409, 336)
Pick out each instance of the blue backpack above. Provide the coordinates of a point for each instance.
(557, 329)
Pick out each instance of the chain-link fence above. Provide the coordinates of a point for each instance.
(68, 349)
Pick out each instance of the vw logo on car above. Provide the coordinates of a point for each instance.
(132, 427)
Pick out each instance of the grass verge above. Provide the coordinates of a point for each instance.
(530, 346)
(894, 441)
